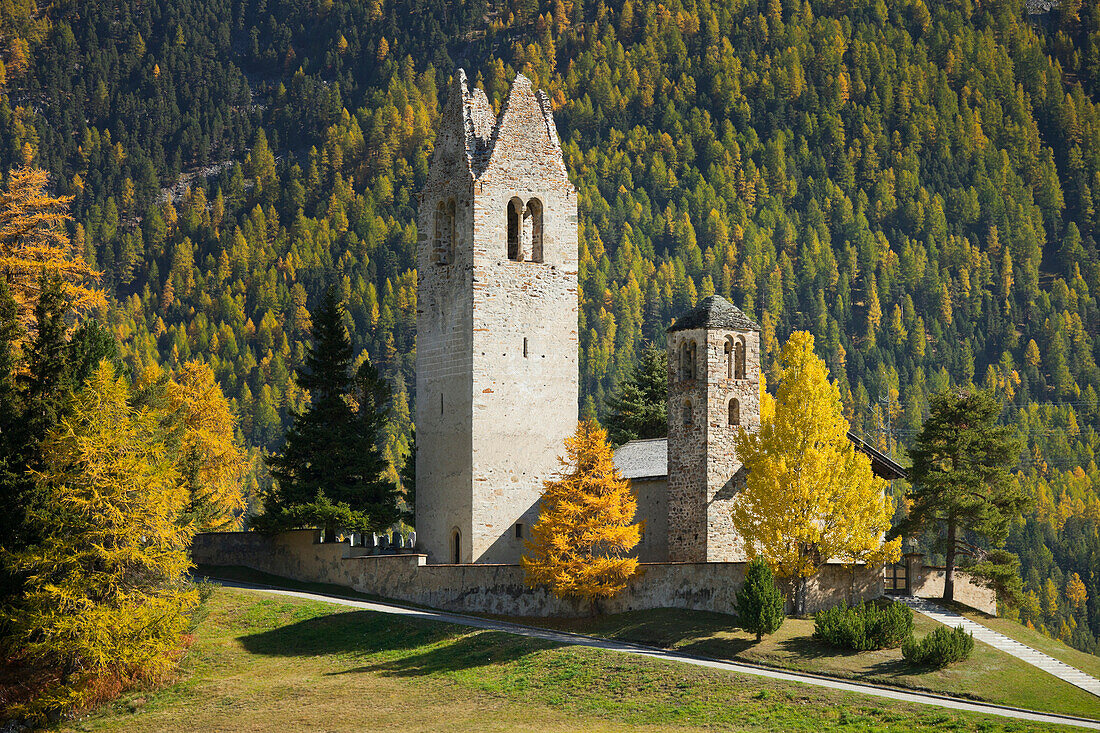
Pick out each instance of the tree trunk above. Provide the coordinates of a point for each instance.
(949, 572)
(800, 596)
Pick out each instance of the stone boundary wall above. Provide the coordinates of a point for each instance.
(499, 589)
(927, 582)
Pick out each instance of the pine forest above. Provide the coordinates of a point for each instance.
(915, 183)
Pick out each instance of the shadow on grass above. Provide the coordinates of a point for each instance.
(717, 647)
(420, 647)
(807, 647)
(664, 627)
(466, 652)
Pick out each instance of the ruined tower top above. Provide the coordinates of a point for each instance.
(521, 143)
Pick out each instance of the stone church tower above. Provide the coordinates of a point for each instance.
(496, 359)
(713, 390)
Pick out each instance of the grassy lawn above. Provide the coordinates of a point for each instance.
(989, 674)
(263, 663)
(1089, 663)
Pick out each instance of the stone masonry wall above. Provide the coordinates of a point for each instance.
(703, 468)
(525, 381)
(444, 343)
(927, 582)
(497, 366)
(499, 589)
(687, 453)
(724, 477)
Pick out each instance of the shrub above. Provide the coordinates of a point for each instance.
(940, 648)
(759, 602)
(864, 627)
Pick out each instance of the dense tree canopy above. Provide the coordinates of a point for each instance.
(912, 182)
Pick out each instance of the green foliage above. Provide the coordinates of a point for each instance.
(940, 648)
(638, 405)
(864, 627)
(961, 480)
(408, 481)
(331, 470)
(760, 604)
(999, 570)
(913, 184)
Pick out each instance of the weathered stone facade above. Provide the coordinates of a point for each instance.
(497, 370)
(714, 390)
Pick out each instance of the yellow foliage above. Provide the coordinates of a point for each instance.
(580, 543)
(212, 464)
(106, 593)
(33, 238)
(1075, 591)
(810, 496)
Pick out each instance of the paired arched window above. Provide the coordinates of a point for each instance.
(525, 231)
(689, 417)
(739, 359)
(443, 240)
(729, 357)
(735, 413)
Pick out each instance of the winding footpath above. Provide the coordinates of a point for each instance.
(997, 640)
(560, 637)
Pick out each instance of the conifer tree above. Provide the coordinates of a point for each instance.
(961, 481)
(105, 593)
(580, 545)
(810, 497)
(637, 408)
(34, 239)
(408, 481)
(759, 601)
(331, 469)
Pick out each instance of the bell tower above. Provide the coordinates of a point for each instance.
(713, 390)
(496, 361)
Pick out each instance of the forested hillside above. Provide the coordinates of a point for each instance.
(912, 182)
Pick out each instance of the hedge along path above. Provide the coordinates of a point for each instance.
(997, 640)
(561, 637)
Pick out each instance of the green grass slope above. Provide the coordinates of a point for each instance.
(261, 663)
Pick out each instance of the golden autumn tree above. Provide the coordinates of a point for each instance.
(106, 596)
(34, 238)
(200, 433)
(211, 463)
(579, 546)
(810, 496)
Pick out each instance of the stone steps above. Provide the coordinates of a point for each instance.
(997, 640)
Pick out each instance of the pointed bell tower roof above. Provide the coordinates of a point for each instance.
(714, 312)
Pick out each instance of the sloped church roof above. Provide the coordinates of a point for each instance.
(648, 459)
(714, 311)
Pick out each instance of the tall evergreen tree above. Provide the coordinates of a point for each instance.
(408, 481)
(331, 469)
(13, 479)
(961, 481)
(639, 404)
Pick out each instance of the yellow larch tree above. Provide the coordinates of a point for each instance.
(106, 597)
(211, 462)
(810, 496)
(1076, 592)
(580, 545)
(200, 432)
(34, 238)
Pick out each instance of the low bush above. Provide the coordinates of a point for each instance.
(942, 647)
(864, 627)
